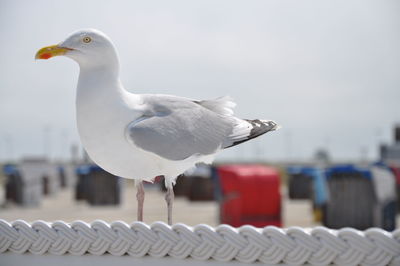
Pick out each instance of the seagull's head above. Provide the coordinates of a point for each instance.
(88, 47)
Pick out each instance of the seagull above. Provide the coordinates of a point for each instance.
(141, 136)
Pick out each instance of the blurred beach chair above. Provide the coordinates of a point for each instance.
(315, 187)
(200, 184)
(68, 177)
(196, 184)
(396, 172)
(97, 186)
(300, 182)
(385, 190)
(360, 197)
(28, 181)
(41, 169)
(351, 198)
(248, 194)
(14, 185)
(62, 176)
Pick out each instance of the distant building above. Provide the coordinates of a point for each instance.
(322, 157)
(391, 153)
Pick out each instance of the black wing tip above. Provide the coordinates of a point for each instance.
(259, 127)
(262, 125)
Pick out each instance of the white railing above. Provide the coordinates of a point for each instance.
(269, 245)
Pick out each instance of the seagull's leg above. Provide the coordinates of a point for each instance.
(140, 199)
(169, 198)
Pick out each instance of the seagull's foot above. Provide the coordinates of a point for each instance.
(140, 199)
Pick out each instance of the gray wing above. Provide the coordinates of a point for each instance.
(177, 128)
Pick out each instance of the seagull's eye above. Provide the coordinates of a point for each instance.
(86, 39)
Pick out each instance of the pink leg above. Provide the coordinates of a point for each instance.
(169, 198)
(140, 199)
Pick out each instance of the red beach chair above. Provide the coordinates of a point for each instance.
(250, 194)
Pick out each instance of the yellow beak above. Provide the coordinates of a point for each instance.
(50, 51)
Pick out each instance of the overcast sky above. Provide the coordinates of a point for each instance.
(327, 71)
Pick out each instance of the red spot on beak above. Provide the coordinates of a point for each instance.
(45, 56)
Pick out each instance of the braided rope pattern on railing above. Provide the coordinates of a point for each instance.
(270, 245)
